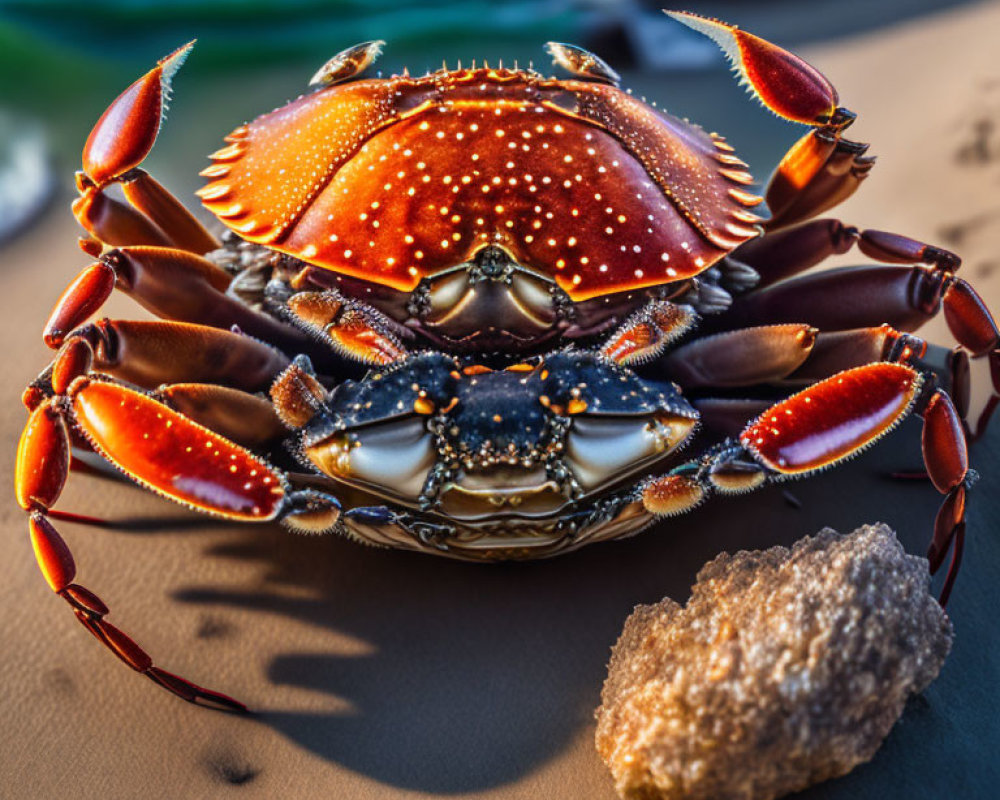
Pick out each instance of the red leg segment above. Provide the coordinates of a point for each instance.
(81, 299)
(943, 443)
(969, 320)
(946, 458)
(172, 284)
(822, 425)
(118, 143)
(159, 448)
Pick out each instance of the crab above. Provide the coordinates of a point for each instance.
(478, 313)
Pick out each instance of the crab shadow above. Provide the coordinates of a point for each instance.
(473, 675)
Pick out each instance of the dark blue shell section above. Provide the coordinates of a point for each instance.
(499, 407)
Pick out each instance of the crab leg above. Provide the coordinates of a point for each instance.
(830, 353)
(836, 351)
(166, 211)
(247, 419)
(780, 255)
(152, 444)
(110, 222)
(821, 169)
(905, 296)
(355, 331)
(118, 143)
(741, 358)
(822, 425)
(819, 172)
(148, 353)
(844, 298)
(172, 284)
(646, 334)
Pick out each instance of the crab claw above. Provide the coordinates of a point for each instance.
(125, 133)
(783, 82)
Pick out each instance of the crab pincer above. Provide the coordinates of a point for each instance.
(119, 142)
(161, 449)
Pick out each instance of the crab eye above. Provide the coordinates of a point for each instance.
(582, 62)
(348, 63)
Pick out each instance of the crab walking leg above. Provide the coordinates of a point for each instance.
(836, 351)
(109, 222)
(830, 353)
(781, 255)
(967, 316)
(741, 358)
(118, 143)
(247, 419)
(150, 353)
(840, 299)
(170, 283)
(906, 295)
(822, 425)
(148, 196)
(163, 450)
(819, 172)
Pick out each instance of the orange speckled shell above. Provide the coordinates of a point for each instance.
(395, 180)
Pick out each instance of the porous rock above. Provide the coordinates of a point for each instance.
(786, 668)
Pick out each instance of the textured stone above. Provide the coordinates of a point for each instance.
(786, 668)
